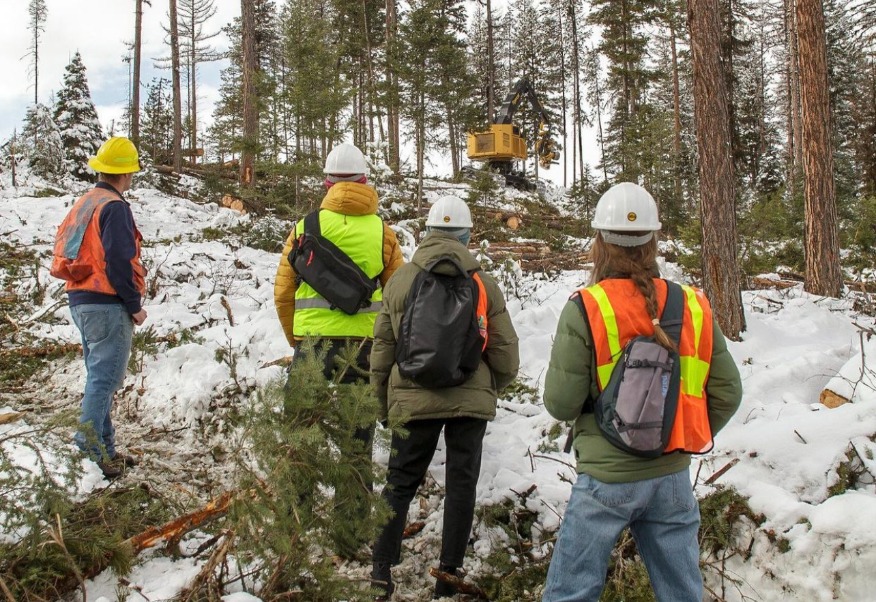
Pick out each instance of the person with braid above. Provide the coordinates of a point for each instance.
(615, 489)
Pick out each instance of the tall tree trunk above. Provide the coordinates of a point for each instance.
(193, 88)
(597, 91)
(576, 85)
(250, 100)
(717, 185)
(454, 142)
(177, 92)
(138, 58)
(392, 82)
(795, 132)
(676, 112)
(823, 275)
(563, 93)
(491, 83)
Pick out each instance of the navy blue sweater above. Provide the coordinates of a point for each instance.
(119, 248)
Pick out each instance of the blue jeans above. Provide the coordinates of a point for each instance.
(662, 515)
(107, 331)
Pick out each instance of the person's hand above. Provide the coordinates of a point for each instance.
(139, 317)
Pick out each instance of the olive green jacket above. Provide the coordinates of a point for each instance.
(571, 376)
(402, 399)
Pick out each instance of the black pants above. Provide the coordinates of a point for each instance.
(408, 464)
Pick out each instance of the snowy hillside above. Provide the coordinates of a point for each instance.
(806, 470)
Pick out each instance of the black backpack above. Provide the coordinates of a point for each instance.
(329, 271)
(440, 341)
(636, 410)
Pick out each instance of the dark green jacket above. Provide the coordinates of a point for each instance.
(571, 376)
(404, 400)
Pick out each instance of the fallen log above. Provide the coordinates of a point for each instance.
(216, 508)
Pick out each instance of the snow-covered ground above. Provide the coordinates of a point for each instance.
(215, 296)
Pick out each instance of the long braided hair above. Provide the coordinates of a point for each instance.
(637, 263)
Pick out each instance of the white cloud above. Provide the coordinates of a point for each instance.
(99, 30)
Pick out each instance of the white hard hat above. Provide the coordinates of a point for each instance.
(345, 159)
(449, 212)
(626, 207)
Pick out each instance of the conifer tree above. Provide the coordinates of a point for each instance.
(43, 146)
(624, 44)
(306, 478)
(195, 49)
(313, 90)
(77, 120)
(156, 128)
(38, 12)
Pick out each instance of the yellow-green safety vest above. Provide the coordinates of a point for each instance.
(361, 238)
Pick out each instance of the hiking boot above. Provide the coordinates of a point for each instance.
(111, 469)
(443, 589)
(381, 580)
(129, 461)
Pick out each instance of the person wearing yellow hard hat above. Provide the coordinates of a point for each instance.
(97, 253)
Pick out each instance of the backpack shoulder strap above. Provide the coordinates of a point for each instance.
(311, 223)
(673, 311)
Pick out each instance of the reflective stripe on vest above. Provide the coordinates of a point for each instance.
(79, 256)
(361, 238)
(323, 304)
(616, 313)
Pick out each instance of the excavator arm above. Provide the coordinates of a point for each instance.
(503, 124)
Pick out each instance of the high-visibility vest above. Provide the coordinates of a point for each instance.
(616, 312)
(481, 310)
(79, 256)
(361, 238)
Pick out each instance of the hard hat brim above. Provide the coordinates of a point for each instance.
(101, 167)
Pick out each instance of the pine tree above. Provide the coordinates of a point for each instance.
(195, 49)
(309, 65)
(77, 120)
(43, 146)
(306, 476)
(156, 127)
(624, 44)
(38, 13)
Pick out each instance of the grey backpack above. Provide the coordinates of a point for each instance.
(636, 410)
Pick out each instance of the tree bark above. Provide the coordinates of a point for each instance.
(138, 58)
(717, 188)
(795, 132)
(823, 275)
(491, 85)
(250, 101)
(392, 82)
(177, 92)
(676, 112)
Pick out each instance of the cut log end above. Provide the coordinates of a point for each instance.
(832, 400)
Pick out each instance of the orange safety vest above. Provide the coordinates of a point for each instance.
(616, 312)
(481, 310)
(79, 255)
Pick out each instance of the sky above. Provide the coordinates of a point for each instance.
(782, 449)
(100, 31)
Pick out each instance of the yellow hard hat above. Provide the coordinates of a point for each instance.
(117, 155)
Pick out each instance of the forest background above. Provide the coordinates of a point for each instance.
(752, 123)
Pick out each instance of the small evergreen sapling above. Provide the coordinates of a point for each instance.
(306, 478)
